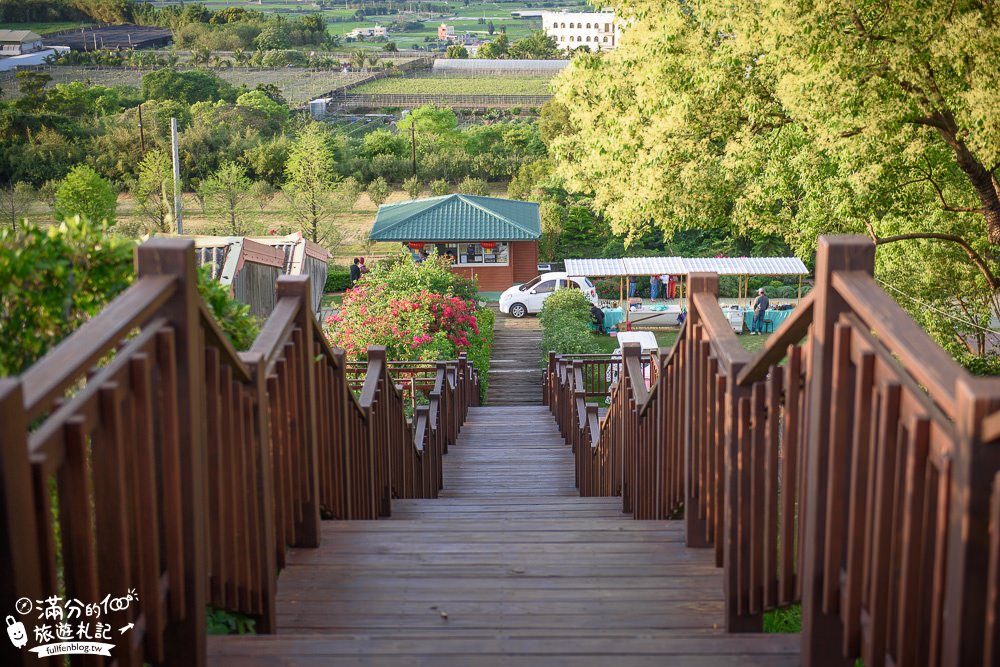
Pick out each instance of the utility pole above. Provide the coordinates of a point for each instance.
(177, 176)
(142, 134)
(413, 146)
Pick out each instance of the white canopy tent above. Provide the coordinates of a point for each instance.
(742, 267)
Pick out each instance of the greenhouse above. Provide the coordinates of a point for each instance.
(488, 66)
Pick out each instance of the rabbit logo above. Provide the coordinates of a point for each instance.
(15, 630)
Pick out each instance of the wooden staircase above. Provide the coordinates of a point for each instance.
(515, 373)
(508, 566)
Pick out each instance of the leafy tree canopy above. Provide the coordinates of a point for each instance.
(84, 193)
(799, 119)
(189, 86)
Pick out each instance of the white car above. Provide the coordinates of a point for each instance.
(520, 300)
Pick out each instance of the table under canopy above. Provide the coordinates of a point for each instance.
(741, 267)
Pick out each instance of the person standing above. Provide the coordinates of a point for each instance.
(654, 287)
(760, 305)
(355, 271)
(364, 269)
(631, 286)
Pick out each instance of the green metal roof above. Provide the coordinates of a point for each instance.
(458, 218)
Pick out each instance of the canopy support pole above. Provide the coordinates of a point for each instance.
(798, 297)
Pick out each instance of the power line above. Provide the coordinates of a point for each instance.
(951, 317)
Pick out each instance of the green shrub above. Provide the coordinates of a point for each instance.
(480, 348)
(401, 275)
(235, 319)
(439, 188)
(608, 288)
(988, 365)
(566, 320)
(53, 280)
(338, 278)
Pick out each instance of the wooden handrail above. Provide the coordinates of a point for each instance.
(720, 334)
(215, 337)
(49, 377)
(927, 362)
(196, 466)
(851, 466)
(790, 332)
(276, 330)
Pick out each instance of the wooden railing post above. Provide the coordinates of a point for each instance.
(266, 621)
(297, 287)
(975, 464)
(822, 632)
(550, 370)
(695, 528)
(185, 639)
(464, 385)
(20, 560)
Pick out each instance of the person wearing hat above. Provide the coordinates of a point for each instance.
(759, 306)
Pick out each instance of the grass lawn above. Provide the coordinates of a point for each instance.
(355, 224)
(47, 28)
(609, 344)
(787, 620)
(331, 300)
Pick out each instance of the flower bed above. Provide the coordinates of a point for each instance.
(419, 312)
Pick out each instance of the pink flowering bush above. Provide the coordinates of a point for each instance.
(418, 312)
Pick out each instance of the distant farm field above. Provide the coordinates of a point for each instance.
(455, 85)
(297, 85)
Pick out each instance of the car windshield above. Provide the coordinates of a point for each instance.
(531, 283)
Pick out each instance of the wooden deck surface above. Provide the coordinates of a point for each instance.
(515, 361)
(509, 566)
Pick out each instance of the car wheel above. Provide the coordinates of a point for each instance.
(518, 310)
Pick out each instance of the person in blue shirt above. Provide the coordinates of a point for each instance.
(654, 288)
(760, 305)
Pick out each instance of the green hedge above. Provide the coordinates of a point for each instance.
(338, 278)
(479, 351)
(566, 320)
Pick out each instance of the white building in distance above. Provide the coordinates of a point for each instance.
(371, 31)
(601, 31)
(19, 42)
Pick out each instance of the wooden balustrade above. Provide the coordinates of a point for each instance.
(851, 465)
(145, 453)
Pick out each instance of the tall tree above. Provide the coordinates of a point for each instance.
(800, 119)
(15, 201)
(153, 191)
(227, 195)
(536, 46)
(378, 191)
(309, 176)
